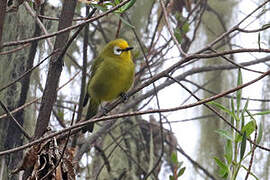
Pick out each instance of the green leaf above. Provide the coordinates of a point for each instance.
(243, 146)
(178, 35)
(174, 158)
(243, 112)
(266, 26)
(128, 5)
(172, 177)
(220, 106)
(253, 175)
(181, 171)
(261, 113)
(229, 152)
(225, 134)
(117, 2)
(124, 21)
(233, 110)
(223, 108)
(242, 120)
(31, 4)
(60, 114)
(185, 28)
(249, 128)
(223, 169)
(239, 92)
(259, 138)
(102, 8)
(180, 164)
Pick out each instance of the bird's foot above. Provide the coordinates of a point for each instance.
(104, 110)
(124, 97)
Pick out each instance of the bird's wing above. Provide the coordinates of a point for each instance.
(86, 97)
(95, 65)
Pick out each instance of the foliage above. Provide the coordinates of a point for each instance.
(236, 150)
(178, 169)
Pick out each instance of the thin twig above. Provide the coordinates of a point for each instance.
(170, 29)
(15, 121)
(234, 28)
(15, 49)
(236, 64)
(14, 43)
(118, 28)
(28, 71)
(157, 101)
(196, 164)
(64, 149)
(153, 79)
(57, 19)
(116, 116)
(104, 157)
(38, 21)
(36, 99)
(252, 154)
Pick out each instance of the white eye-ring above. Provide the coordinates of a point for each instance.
(117, 50)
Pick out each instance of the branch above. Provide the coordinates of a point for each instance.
(104, 129)
(15, 121)
(55, 69)
(15, 43)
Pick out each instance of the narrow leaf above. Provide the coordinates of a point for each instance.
(178, 35)
(185, 28)
(229, 152)
(181, 171)
(223, 108)
(174, 158)
(223, 169)
(266, 26)
(243, 113)
(100, 7)
(225, 134)
(259, 138)
(125, 22)
(261, 113)
(239, 92)
(128, 5)
(249, 128)
(243, 146)
(233, 111)
(117, 2)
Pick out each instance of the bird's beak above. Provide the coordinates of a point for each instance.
(127, 49)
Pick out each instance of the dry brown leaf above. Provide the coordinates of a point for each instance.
(43, 158)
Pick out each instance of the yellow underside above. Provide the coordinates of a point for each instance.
(112, 78)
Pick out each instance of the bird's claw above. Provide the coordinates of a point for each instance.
(105, 110)
(124, 97)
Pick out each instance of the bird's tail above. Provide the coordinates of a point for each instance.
(91, 112)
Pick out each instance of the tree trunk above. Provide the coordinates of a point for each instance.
(55, 69)
(17, 25)
(215, 21)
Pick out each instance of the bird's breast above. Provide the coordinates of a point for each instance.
(111, 79)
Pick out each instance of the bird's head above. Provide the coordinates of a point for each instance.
(118, 48)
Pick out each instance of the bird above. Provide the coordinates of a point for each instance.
(111, 76)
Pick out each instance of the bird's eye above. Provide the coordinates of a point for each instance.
(117, 50)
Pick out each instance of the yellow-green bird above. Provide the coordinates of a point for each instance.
(112, 74)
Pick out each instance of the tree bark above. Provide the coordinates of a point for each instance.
(55, 69)
(3, 5)
(17, 26)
